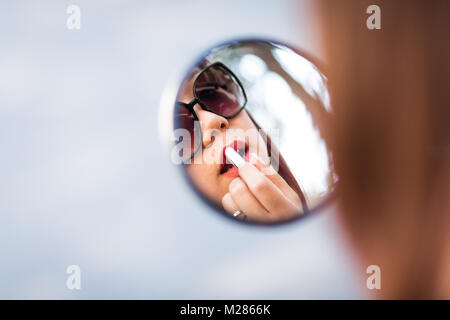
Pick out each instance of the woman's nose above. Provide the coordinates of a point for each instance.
(211, 124)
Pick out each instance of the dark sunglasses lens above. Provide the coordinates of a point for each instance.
(187, 132)
(219, 91)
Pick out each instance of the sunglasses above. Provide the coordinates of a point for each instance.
(217, 90)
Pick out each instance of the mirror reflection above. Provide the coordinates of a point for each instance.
(249, 127)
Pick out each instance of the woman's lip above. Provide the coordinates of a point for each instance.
(233, 171)
(236, 144)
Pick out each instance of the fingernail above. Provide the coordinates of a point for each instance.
(254, 158)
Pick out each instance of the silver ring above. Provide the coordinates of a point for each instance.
(239, 215)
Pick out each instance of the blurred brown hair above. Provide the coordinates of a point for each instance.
(390, 92)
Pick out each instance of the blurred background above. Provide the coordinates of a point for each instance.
(84, 179)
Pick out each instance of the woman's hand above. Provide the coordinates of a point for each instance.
(261, 194)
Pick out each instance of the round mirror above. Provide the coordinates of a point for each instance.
(248, 128)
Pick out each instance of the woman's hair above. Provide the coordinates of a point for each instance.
(390, 90)
(283, 169)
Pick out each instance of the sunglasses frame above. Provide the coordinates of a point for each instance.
(197, 100)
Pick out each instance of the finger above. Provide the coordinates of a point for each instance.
(265, 191)
(247, 202)
(229, 205)
(257, 162)
(232, 208)
(273, 176)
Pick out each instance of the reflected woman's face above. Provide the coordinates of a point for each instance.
(208, 170)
